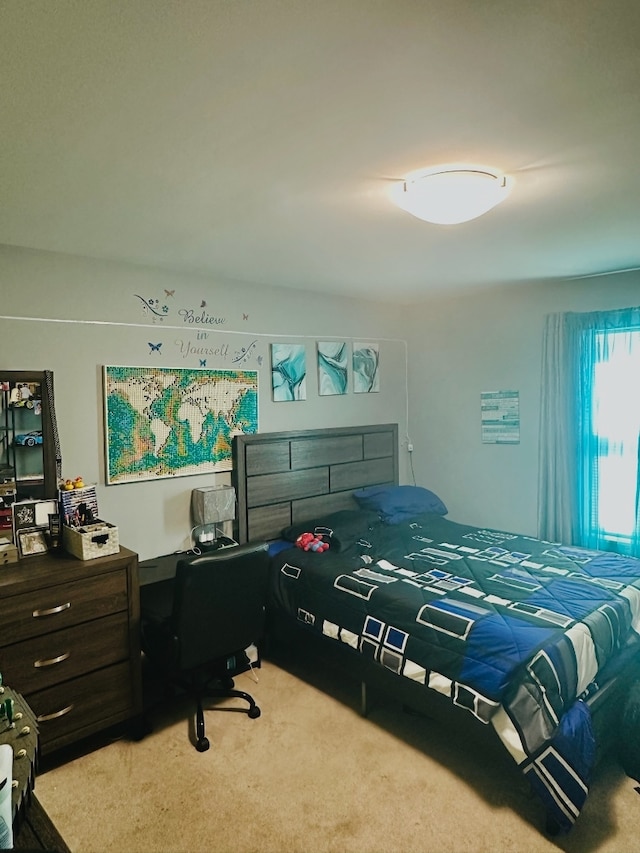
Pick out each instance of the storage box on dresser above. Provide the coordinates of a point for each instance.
(69, 642)
(91, 541)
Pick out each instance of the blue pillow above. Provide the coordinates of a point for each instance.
(399, 503)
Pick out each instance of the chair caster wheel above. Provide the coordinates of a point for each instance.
(254, 712)
(202, 744)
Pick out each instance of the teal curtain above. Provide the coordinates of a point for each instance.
(589, 478)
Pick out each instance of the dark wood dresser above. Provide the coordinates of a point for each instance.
(69, 642)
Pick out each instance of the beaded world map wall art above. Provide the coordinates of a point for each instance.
(171, 422)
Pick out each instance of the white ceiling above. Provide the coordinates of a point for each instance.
(256, 140)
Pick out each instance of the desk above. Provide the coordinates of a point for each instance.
(159, 568)
(164, 568)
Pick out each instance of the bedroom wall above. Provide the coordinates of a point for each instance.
(489, 341)
(88, 313)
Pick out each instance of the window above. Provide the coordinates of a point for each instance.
(613, 418)
(589, 462)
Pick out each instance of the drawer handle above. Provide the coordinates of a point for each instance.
(51, 610)
(50, 662)
(44, 717)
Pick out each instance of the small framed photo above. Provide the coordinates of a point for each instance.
(32, 542)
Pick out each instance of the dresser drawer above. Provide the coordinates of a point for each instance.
(61, 606)
(83, 706)
(44, 661)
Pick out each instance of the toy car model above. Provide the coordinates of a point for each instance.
(28, 439)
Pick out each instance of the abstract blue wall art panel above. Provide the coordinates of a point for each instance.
(288, 372)
(366, 364)
(332, 367)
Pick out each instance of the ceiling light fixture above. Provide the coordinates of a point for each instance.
(448, 195)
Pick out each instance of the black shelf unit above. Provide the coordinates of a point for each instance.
(27, 439)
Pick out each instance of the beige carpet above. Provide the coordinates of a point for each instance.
(312, 776)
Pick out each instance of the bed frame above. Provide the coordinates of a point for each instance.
(283, 478)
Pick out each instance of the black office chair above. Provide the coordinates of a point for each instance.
(195, 627)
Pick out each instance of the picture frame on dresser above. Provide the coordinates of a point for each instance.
(31, 526)
(32, 542)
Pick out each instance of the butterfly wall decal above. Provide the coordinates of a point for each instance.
(169, 292)
(154, 347)
(203, 362)
(203, 304)
(245, 316)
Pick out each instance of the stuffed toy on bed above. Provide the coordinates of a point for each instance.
(311, 542)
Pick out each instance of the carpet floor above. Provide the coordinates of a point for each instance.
(311, 775)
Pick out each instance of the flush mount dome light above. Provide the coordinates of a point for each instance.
(448, 195)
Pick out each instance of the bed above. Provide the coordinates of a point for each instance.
(538, 641)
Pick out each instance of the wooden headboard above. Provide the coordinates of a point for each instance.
(283, 478)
